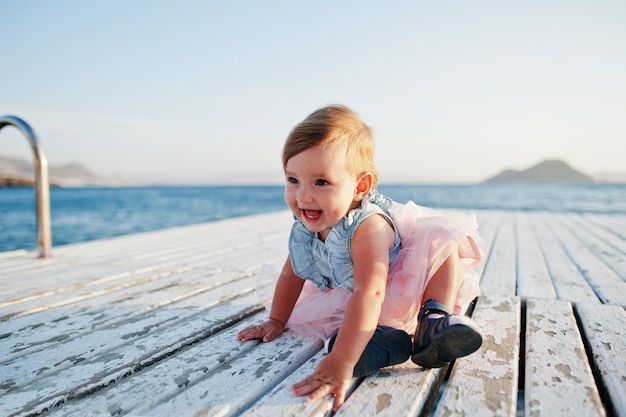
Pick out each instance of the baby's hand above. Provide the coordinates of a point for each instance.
(330, 377)
(266, 331)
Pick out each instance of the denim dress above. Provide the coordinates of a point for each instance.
(329, 264)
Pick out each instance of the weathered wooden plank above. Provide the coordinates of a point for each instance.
(161, 246)
(11, 260)
(27, 334)
(246, 258)
(93, 361)
(533, 279)
(281, 402)
(111, 317)
(97, 287)
(605, 245)
(558, 378)
(399, 391)
(614, 223)
(568, 280)
(19, 254)
(488, 223)
(485, 382)
(611, 289)
(500, 272)
(611, 229)
(235, 386)
(166, 378)
(44, 300)
(605, 331)
(53, 275)
(69, 274)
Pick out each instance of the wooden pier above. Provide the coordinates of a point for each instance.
(145, 325)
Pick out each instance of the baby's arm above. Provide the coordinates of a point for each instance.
(370, 254)
(286, 294)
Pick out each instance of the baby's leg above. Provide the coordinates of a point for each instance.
(387, 347)
(445, 283)
(442, 337)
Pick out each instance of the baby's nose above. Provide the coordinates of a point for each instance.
(304, 195)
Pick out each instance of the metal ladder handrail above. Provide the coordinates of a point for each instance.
(42, 186)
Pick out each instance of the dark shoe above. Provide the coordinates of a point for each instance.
(442, 337)
(387, 347)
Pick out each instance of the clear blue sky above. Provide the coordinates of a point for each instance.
(206, 91)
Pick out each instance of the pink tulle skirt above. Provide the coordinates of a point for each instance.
(427, 237)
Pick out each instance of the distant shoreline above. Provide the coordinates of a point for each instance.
(19, 173)
(12, 182)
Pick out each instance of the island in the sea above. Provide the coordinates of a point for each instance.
(19, 173)
(552, 170)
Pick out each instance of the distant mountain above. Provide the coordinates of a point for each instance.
(19, 173)
(546, 171)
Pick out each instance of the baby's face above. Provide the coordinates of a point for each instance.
(320, 188)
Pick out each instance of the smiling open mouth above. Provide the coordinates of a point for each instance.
(312, 214)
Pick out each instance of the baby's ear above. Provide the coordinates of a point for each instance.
(364, 186)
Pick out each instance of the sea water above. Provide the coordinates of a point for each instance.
(81, 214)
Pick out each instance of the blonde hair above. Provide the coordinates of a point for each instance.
(335, 128)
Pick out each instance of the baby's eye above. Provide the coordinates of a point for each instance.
(321, 182)
(292, 180)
